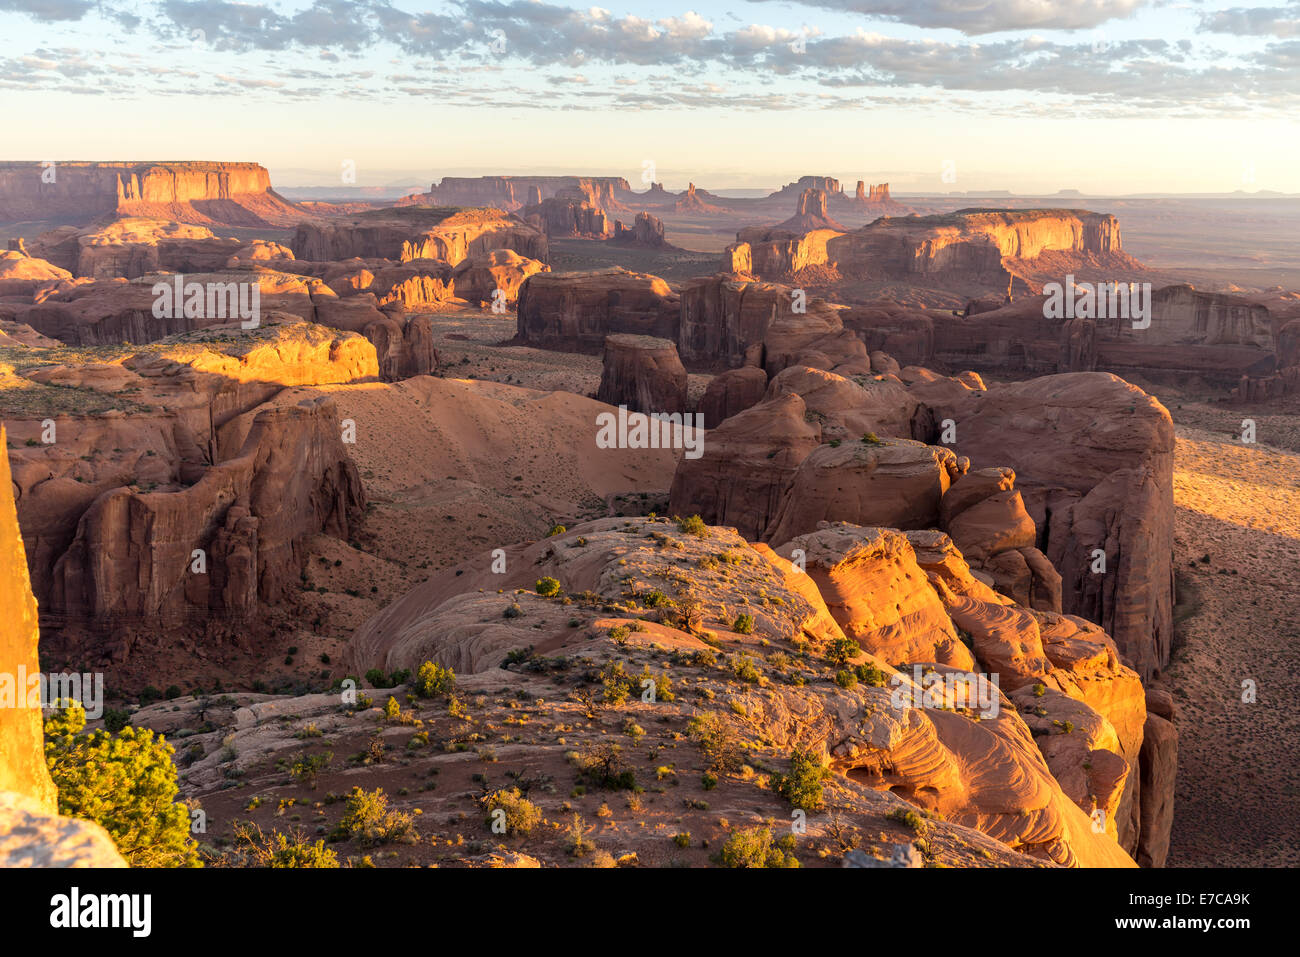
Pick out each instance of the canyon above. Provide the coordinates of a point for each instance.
(911, 471)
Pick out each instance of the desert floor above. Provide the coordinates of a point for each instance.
(1237, 548)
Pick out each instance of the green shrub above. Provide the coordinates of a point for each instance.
(846, 679)
(115, 720)
(682, 840)
(548, 587)
(744, 668)
(744, 625)
(717, 738)
(376, 678)
(616, 681)
(306, 766)
(693, 526)
(282, 851)
(367, 818)
(520, 814)
(869, 674)
(802, 787)
(603, 767)
(432, 680)
(755, 847)
(909, 817)
(843, 650)
(124, 781)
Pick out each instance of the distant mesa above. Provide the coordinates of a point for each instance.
(785, 249)
(696, 201)
(202, 193)
(513, 193)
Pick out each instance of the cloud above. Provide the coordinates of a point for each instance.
(1253, 21)
(48, 10)
(987, 16)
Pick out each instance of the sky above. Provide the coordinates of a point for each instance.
(1105, 96)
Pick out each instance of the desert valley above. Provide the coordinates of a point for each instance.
(447, 438)
(526, 521)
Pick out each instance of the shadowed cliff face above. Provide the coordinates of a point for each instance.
(186, 505)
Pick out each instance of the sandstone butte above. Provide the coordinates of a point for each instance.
(231, 194)
(199, 457)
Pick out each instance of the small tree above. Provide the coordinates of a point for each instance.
(433, 680)
(125, 782)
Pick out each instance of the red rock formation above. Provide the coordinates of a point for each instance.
(646, 230)
(879, 596)
(576, 311)
(748, 462)
(1093, 457)
(730, 393)
(894, 483)
(230, 194)
(784, 249)
(22, 753)
(974, 246)
(478, 278)
(405, 233)
(571, 213)
(642, 373)
(207, 460)
(132, 247)
(692, 201)
(515, 192)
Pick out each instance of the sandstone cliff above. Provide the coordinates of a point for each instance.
(230, 194)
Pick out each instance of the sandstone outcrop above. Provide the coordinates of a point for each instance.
(133, 247)
(642, 373)
(478, 278)
(576, 311)
(980, 771)
(1093, 459)
(514, 192)
(747, 465)
(786, 248)
(981, 247)
(404, 233)
(731, 392)
(878, 594)
(21, 275)
(895, 483)
(572, 213)
(114, 508)
(31, 832)
(646, 230)
(22, 752)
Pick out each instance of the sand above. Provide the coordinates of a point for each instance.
(1237, 799)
